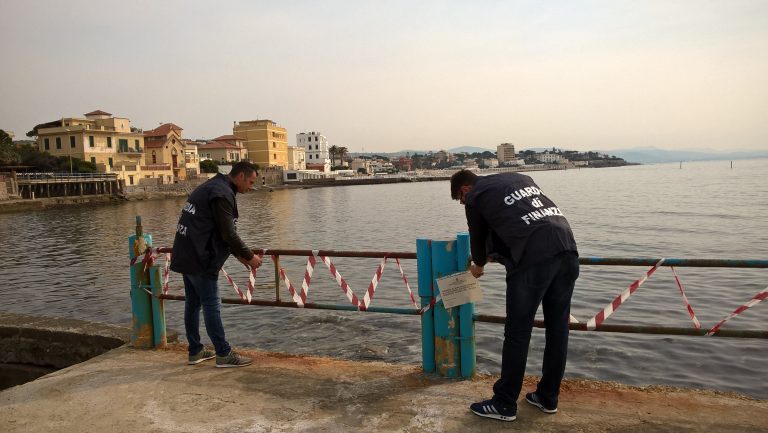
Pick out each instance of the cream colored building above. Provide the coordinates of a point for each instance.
(108, 142)
(297, 158)
(164, 151)
(505, 153)
(227, 149)
(266, 141)
(191, 158)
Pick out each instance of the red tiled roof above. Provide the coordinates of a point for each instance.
(227, 137)
(98, 113)
(162, 130)
(218, 145)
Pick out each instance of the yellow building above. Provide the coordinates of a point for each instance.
(266, 141)
(165, 151)
(108, 142)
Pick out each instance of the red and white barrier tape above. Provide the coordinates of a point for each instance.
(239, 292)
(756, 299)
(420, 310)
(252, 277)
(366, 301)
(166, 273)
(341, 282)
(300, 297)
(696, 323)
(613, 306)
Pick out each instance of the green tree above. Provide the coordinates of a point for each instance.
(333, 150)
(9, 155)
(208, 166)
(342, 152)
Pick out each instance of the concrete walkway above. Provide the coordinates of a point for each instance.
(128, 390)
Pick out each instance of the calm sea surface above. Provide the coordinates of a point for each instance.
(72, 262)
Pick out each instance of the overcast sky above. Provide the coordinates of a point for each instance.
(386, 76)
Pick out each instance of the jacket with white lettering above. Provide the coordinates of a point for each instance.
(511, 218)
(199, 248)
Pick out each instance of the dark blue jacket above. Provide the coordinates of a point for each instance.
(511, 218)
(199, 247)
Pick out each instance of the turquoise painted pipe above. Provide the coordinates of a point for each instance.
(466, 313)
(141, 304)
(446, 320)
(424, 266)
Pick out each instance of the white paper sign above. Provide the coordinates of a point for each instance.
(458, 289)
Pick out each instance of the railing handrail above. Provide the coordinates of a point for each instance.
(602, 261)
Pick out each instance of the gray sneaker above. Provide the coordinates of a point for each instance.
(201, 356)
(232, 360)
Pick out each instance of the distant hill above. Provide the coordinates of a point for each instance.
(652, 155)
(470, 149)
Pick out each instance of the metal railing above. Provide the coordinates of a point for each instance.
(63, 177)
(487, 318)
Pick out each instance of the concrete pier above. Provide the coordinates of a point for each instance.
(131, 390)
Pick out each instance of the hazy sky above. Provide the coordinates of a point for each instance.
(392, 75)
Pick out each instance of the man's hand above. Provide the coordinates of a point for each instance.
(255, 261)
(477, 271)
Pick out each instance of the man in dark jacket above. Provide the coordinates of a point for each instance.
(205, 236)
(511, 220)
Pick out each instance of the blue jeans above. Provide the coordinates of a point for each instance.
(549, 283)
(203, 291)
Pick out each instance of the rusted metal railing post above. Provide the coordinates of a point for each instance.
(159, 333)
(277, 277)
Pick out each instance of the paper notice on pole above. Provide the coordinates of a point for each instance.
(458, 289)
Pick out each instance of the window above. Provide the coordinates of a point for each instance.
(136, 145)
(315, 138)
(90, 141)
(310, 156)
(154, 157)
(58, 142)
(317, 156)
(46, 144)
(110, 162)
(93, 160)
(273, 145)
(274, 156)
(109, 142)
(130, 179)
(72, 141)
(122, 144)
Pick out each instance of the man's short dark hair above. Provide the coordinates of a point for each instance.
(459, 179)
(243, 167)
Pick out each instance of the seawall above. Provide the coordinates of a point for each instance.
(131, 390)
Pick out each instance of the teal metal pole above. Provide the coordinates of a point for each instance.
(424, 267)
(159, 335)
(446, 320)
(141, 304)
(466, 313)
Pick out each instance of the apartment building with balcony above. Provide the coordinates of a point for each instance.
(227, 149)
(317, 150)
(110, 143)
(297, 158)
(505, 153)
(265, 140)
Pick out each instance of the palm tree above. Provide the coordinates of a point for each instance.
(342, 152)
(333, 150)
